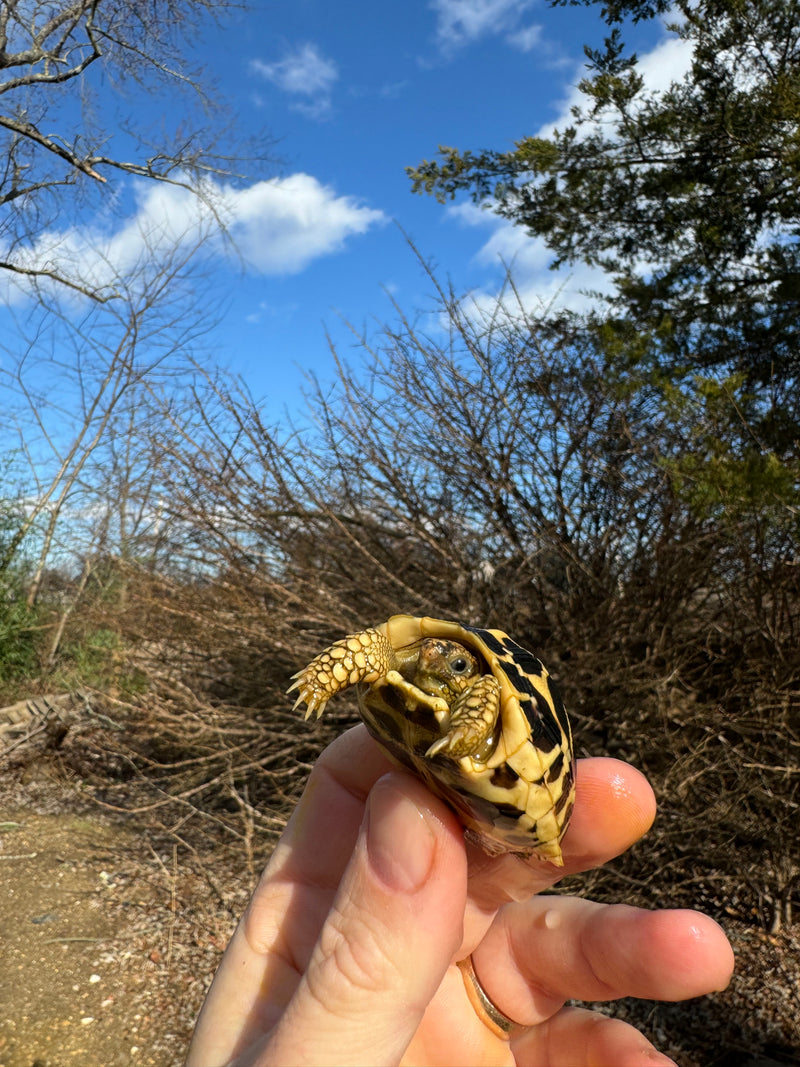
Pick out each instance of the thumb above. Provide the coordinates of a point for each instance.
(391, 934)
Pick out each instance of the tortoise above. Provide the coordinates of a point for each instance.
(471, 712)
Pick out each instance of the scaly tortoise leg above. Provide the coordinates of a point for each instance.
(362, 657)
(473, 716)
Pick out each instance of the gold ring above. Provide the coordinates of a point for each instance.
(485, 1008)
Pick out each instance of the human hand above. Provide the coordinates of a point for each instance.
(347, 952)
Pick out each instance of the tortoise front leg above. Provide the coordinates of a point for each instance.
(361, 657)
(473, 717)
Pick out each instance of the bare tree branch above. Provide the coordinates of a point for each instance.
(48, 57)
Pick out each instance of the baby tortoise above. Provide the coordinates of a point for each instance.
(470, 711)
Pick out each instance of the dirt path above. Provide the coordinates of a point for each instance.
(108, 946)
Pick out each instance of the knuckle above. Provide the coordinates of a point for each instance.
(354, 952)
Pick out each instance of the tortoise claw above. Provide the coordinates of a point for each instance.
(313, 694)
(461, 742)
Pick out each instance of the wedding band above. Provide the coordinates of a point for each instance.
(485, 1008)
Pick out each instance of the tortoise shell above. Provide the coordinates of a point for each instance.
(470, 711)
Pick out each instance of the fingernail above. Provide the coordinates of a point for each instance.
(400, 842)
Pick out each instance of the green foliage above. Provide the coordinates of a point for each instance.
(686, 198)
(617, 10)
(18, 656)
(732, 484)
(96, 658)
(725, 475)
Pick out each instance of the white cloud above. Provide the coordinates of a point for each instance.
(281, 226)
(458, 22)
(304, 73)
(278, 227)
(304, 70)
(668, 62)
(665, 64)
(509, 247)
(527, 38)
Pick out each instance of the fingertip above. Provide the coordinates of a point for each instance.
(603, 780)
(710, 939)
(693, 948)
(614, 806)
(407, 829)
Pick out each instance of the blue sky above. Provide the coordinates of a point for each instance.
(357, 91)
(352, 93)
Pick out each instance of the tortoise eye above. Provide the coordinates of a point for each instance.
(459, 665)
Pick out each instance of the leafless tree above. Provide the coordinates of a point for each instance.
(71, 77)
(79, 404)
